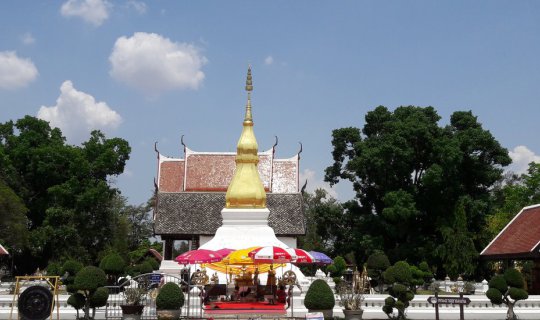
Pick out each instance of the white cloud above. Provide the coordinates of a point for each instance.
(15, 72)
(152, 63)
(92, 11)
(521, 157)
(77, 113)
(314, 182)
(138, 6)
(28, 39)
(269, 60)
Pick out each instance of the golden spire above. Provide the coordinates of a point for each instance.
(246, 190)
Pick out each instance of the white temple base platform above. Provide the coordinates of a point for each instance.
(241, 228)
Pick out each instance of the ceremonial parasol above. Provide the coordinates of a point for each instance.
(239, 257)
(198, 256)
(224, 252)
(272, 254)
(321, 258)
(302, 256)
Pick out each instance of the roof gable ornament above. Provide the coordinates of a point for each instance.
(246, 190)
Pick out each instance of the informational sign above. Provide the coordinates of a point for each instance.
(448, 300)
(155, 278)
(461, 301)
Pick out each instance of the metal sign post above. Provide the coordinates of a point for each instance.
(461, 301)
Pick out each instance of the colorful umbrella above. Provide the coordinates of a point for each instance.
(302, 256)
(199, 256)
(271, 254)
(321, 258)
(239, 257)
(224, 252)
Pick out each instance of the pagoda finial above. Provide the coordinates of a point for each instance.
(246, 190)
(249, 80)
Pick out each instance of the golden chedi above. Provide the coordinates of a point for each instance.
(246, 190)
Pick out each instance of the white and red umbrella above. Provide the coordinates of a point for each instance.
(302, 256)
(271, 254)
(199, 256)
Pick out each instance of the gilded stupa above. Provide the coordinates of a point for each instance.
(246, 189)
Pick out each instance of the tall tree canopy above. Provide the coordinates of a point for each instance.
(65, 189)
(410, 175)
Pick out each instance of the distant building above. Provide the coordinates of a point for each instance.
(191, 195)
(519, 240)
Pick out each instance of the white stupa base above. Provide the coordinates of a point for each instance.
(242, 228)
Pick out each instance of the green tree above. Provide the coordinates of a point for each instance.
(458, 251)
(65, 189)
(409, 174)
(511, 196)
(13, 221)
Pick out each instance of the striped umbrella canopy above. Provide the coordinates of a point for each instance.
(321, 258)
(302, 256)
(199, 256)
(272, 254)
(224, 252)
(240, 257)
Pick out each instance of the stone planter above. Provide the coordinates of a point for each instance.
(131, 312)
(169, 314)
(353, 314)
(329, 313)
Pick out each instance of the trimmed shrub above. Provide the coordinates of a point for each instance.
(99, 298)
(54, 269)
(507, 289)
(514, 278)
(376, 264)
(170, 297)
(399, 276)
(90, 278)
(76, 300)
(319, 296)
(89, 283)
(71, 267)
(113, 264)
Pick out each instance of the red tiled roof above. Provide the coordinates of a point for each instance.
(171, 175)
(520, 237)
(212, 171)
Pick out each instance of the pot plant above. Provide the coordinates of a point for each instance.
(351, 301)
(320, 298)
(134, 306)
(169, 302)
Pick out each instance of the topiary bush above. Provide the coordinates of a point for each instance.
(507, 289)
(54, 269)
(376, 264)
(170, 297)
(399, 277)
(113, 264)
(89, 282)
(319, 296)
(69, 270)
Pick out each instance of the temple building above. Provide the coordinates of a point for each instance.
(192, 192)
(519, 240)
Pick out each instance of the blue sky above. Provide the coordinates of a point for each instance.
(153, 70)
